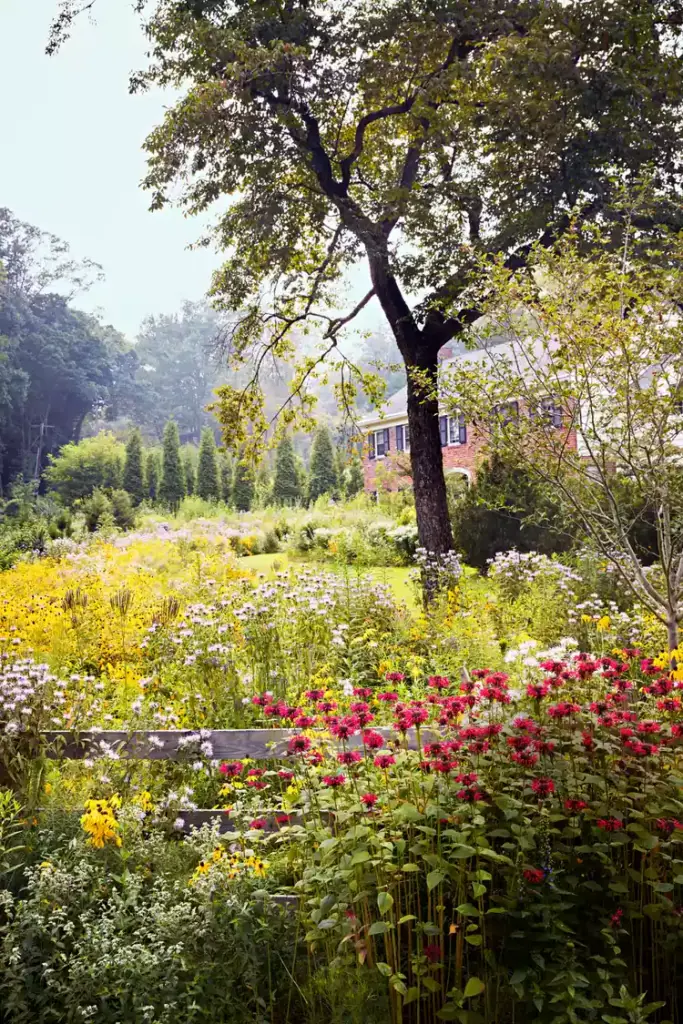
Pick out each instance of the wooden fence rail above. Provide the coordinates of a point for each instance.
(186, 745)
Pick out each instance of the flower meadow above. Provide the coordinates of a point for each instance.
(475, 813)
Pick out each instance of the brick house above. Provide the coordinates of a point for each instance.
(386, 451)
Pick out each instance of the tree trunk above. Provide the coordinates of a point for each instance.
(672, 632)
(429, 484)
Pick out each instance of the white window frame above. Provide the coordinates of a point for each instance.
(379, 436)
(406, 437)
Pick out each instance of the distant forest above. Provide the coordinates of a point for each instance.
(64, 374)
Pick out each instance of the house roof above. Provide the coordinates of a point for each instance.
(396, 406)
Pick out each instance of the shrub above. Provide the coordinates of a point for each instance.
(122, 509)
(506, 509)
(91, 464)
(208, 484)
(133, 475)
(189, 474)
(98, 511)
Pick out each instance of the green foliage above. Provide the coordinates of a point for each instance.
(189, 471)
(152, 475)
(80, 468)
(122, 509)
(322, 473)
(172, 485)
(133, 475)
(98, 510)
(243, 486)
(225, 477)
(506, 508)
(208, 483)
(287, 482)
(354, 480)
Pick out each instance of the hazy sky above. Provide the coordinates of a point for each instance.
(71, 158)
(71, 161)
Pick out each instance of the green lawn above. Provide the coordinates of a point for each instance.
(395, 577)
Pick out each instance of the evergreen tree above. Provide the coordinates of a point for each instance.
(189, 472)
(152, 476)
(133, 479)
(354, 480)
(243, 486)
(226, 478)
(322, 478)
(207, 470)
(172, 487)
(287, 484)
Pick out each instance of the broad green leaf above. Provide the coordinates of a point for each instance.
(474, 987)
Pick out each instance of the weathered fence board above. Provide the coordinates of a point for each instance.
(183, 744)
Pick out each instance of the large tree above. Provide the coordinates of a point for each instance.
(410, 134)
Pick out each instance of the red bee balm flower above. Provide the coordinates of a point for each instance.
(534, 875)
(609, 824)
(384, 761)
(543, 787)
(349, 756)
(298, 744)
(432, 952)
(334, 780)
(575, 806)
(438, 682)
(230, 768)
(369, 799)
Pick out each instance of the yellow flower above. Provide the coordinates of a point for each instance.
(259, 868)
(603, 624)
(48, 788)
(144, 801)
(586, 619)
(99, 822)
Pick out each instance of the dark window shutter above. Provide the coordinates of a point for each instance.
(443, 430)
(386, 441)
(557, 415)
(371, 445)
(399, 439)
(462, 429)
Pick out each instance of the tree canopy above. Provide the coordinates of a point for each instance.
(415, 135)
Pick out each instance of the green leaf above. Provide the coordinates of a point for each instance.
(329, 922)
(461, 852)
(385, 902)
(474, 940)
(406, 918)
(379, 928)
(474, 987)
(410, 867)
(448, 1012)
(431, 984)
(384, 969)
(478, 889)
(434, 878)
(411, 995)
(467, 910)
(360, 857)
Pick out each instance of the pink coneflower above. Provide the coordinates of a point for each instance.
(230, 768)
(333, 781)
